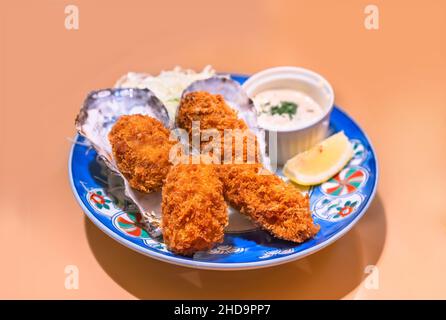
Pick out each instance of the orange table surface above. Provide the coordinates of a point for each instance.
(391, 80)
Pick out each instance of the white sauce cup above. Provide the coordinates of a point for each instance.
(293, 141)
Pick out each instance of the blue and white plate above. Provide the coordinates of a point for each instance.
(337, 205)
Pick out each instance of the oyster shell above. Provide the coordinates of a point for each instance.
(100, 111)
(236, 98)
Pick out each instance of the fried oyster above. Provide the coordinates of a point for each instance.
(194, 209)
(270, 202)
(141, 149)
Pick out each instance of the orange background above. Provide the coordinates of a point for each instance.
(392, 81)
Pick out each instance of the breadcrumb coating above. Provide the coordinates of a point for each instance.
(141, 149)
(272, 203)
(214, 113)
(211, 110)
(194, 212)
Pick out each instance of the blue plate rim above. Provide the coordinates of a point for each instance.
(229, 265)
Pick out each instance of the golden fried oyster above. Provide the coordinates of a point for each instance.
(265, 198)
(194, 212)
(141, 149)
(272, 203)
(212, 112)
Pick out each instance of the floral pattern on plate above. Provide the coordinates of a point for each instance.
(335, 209)
(276, 252)
(226, 249)
(349, 180)
(154, 244)
(131, 224)
(101, 202)
(359, 153)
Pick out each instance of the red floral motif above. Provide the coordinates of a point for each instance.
(99, 200)
(345, 211)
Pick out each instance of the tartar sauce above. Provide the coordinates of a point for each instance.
(285, 109)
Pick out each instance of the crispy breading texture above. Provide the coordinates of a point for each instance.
(211, 110)
(194, 212)
(213, 113)
(265, 198)
(141, 149)
(273, 204)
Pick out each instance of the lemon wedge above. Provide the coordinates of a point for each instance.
(321, 162)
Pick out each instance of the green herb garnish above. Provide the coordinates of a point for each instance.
(285, 107)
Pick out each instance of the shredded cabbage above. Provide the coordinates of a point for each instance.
(167, 86)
